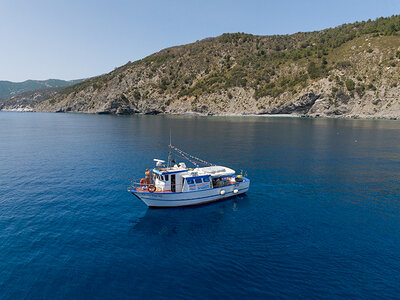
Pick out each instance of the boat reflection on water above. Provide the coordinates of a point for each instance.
(189, 219)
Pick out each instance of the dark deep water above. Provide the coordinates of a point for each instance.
(321, 219)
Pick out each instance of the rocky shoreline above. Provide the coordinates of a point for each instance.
(308, 105)
(277, 115)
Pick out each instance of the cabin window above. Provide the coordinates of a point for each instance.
(198, 180)
(206, 179)
(190, 181)
(166, 177)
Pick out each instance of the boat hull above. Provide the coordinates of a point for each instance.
(157, 200)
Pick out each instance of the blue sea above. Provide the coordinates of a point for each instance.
(321, 218)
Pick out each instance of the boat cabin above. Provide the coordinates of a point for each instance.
(196, 183)
(181, 179)
(169, 179)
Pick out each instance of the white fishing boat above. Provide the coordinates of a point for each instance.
(171, 184)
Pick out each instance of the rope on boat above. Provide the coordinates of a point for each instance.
(187, 155)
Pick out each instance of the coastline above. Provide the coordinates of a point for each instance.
(344, 117)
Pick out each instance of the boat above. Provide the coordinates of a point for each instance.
(171, 184)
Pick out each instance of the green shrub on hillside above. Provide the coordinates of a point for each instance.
(360, 90)
(343, 64)
(137, 95)
(350, 85)
(315, 71)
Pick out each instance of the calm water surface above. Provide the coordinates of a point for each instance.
(321, 219)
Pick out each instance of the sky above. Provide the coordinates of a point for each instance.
(73, 39)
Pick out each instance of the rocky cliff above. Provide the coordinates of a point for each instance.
(27, 101)
(349, 71)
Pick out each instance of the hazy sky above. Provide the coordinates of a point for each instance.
(72, 39)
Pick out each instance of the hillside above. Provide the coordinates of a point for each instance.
(28, 100)
(9, 89)
(348, 71)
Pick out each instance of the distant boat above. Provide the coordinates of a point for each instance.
(172, 184)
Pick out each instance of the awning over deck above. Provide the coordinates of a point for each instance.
(215, 171)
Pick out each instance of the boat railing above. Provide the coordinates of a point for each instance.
(137, 184)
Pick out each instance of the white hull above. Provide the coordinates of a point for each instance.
(192, 198)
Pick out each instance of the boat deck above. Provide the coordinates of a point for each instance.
(145, 190)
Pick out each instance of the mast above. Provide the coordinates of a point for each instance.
(169, 152)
